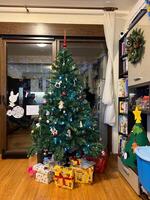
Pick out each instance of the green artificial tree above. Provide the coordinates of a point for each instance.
(137, 138)
(65, 122)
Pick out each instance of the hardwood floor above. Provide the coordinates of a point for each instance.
(15, 184)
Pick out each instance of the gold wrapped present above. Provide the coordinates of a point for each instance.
(83, 175)
(64, 177)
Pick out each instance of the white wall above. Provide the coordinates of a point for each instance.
(120, 22)
(52, 18)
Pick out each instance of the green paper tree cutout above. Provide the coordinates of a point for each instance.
(66, 123)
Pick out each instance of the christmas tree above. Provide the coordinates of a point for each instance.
(137, 138)
(65, 122)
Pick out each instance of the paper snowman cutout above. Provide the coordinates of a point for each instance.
(17, 112)
(13, 98)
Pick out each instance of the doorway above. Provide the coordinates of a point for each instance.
(27, 72)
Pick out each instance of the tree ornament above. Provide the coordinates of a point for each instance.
(61, 105)
(58, 84)
(32, 131)
(71, 119)
(74, 82)
(40, 118)
(68, 133)
(81, 125)
(54, 131)
(73, 66)
(62, 122)
(47, 121)
(135, 46)
(63, 93)
(37, 125)
(64, 111)
(47, 113)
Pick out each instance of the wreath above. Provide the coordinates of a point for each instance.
(135, 46)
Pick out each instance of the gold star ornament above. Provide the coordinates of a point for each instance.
(137, 115)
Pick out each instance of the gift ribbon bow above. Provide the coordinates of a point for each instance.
(63, 178)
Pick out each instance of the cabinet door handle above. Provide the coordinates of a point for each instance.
(137, 79)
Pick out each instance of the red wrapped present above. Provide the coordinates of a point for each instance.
(101, 162)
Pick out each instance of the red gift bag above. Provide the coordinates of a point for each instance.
(101, 162)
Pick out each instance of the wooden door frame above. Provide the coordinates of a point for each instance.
(2, 94)
(3, 90)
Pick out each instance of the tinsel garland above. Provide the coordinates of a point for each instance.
(135, 46)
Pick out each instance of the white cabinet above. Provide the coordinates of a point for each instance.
(140, 72)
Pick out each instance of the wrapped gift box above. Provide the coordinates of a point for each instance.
(84, 171)
(83, 175)
(44, 177)
(43, 174)
(38, 167)
(49, 164)
(64, 177)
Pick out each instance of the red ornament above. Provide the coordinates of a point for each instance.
(63, 93)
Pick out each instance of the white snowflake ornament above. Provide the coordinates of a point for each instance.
(58, 84)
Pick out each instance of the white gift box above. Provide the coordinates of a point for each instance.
(45, 177)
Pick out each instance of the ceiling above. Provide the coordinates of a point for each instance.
(120, 4)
